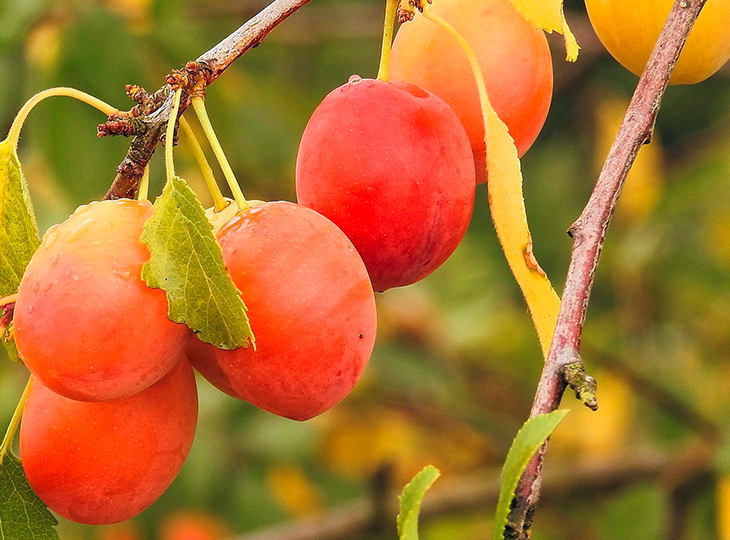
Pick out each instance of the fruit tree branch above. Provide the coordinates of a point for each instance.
(146, 122)
(588, 233)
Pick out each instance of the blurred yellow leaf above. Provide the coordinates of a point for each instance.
(293, 490)
(548, 15)
(43, 45)
(357, 445)
(723, 507)
(137, 12)
(599, 435)
(645, 181)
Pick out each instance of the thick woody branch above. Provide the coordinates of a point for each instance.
(147, 120)
(589, 232)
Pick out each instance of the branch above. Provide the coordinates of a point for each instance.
(589, 232)
(474, 492)
(147, 120)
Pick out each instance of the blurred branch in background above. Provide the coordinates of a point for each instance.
(477, 493)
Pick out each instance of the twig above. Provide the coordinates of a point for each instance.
(147, 120)
(474, 492)
(589, 232)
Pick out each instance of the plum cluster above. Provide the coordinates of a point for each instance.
(111, 411)
(385, 177)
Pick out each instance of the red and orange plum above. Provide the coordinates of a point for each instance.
(102, 463)
(311, 308)
(513, 55)
(391, 165)
(86, 324)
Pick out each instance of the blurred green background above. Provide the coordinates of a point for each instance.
(457, 361)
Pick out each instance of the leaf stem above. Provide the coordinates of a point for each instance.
(218, 200)
(17, 125)
(7, 443)
(390, 8)
(199, 106)
(170, 136)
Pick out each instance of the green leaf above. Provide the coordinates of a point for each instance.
(187, 264)
(527, 442)
(410, 502)
(18, 229)
(23, 516)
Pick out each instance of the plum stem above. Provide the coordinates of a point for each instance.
(391, 7)
(219, 201)
(7, 443)
(144, 185)
(170, 135)
(199, 106)
(17, 125)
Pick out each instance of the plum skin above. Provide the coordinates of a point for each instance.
(514, 58)
(311, 309)
(86, 324)
(104, 462)
(391, 165)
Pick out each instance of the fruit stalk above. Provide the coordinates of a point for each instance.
(7, 443)
(589, 233)
(391, 7)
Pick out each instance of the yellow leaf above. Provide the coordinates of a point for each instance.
(504, 182)
(293, 490)
(723, 507)
(597, 435)
(548, 15)
(510, 221)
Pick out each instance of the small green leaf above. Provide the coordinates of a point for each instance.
(186, 263)
(527, 442)
(410, 502)
(18, 229)
(23, 516)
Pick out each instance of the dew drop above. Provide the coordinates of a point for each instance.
(51, 236)
(124, 273)
(36, 287)
(78, 231)
(108, 226)
(54, 260)
(354, 79)
(30, 309)
(48, 287)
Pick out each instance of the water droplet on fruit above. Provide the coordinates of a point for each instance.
(54, 260)
(36, 286)
(108, 226)
(51, 236)
(30, 309)
(429, 45)
(78, 231)
(354, 79)
(124, 273)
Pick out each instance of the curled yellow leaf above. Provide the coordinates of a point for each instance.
(508, 207)
(548, 15)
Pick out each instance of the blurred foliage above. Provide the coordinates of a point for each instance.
(457, 361)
